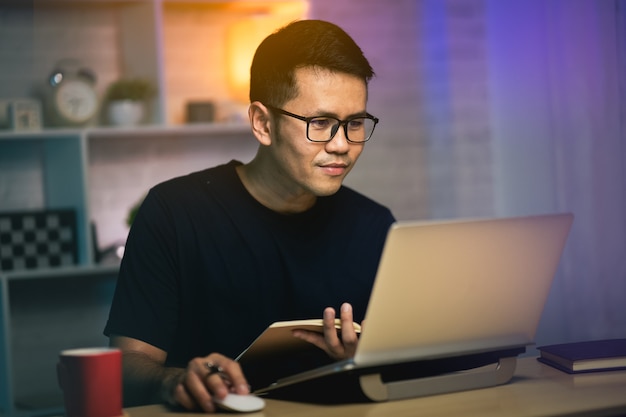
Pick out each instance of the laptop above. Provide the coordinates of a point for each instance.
(452, 306)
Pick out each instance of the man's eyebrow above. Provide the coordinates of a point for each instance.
(362, 113)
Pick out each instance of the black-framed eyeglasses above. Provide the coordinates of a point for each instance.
(358, 129)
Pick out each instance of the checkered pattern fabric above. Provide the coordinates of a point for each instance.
(37, 239)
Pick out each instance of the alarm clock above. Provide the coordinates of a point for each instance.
(72, 96)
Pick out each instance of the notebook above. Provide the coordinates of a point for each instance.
(453, 304)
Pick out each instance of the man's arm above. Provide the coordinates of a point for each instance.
(147, 380)
(144, 373)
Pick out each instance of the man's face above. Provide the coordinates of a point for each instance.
(318, 169)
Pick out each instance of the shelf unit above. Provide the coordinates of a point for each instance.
(178, 45)
(67, 160)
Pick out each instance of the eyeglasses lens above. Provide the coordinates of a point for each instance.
(323, 129)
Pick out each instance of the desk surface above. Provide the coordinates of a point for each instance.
(535, 389)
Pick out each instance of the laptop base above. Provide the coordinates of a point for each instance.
(486, 376)
(401, 380)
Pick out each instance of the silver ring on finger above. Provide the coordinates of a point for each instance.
(213, 369)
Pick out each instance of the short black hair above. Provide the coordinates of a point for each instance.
(303, 43)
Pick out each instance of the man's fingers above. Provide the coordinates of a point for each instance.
(232, 378)
(197, 385)
(333, 343)
(323, 341)
(209, 377)
(182, 398)
(348, 334)
(314, 338)
(338, 345)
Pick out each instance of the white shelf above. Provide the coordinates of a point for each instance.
(38, 134)
(198, 129)
(64, 272)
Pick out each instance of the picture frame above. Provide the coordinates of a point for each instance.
(25, 114)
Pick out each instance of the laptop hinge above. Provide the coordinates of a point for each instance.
(485, 376)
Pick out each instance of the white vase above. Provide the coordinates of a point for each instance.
(126, 112)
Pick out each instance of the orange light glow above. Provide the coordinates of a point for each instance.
(246, 34)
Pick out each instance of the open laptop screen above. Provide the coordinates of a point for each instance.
(448, 288)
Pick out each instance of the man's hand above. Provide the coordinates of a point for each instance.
(340, 346)
(147, 380)
(205, 378)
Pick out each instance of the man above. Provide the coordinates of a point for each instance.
(216, 256)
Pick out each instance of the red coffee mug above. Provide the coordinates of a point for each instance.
(91, 380)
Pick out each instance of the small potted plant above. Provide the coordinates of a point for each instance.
(127, 98)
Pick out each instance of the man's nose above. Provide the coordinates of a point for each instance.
(339, 143)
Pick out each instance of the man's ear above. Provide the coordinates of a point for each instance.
(260, 121)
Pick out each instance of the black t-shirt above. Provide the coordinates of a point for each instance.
(207, 268)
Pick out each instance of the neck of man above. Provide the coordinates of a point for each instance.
(270, 191)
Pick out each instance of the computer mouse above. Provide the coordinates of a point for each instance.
(240, 403)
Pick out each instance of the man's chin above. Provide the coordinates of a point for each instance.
(327, 189)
